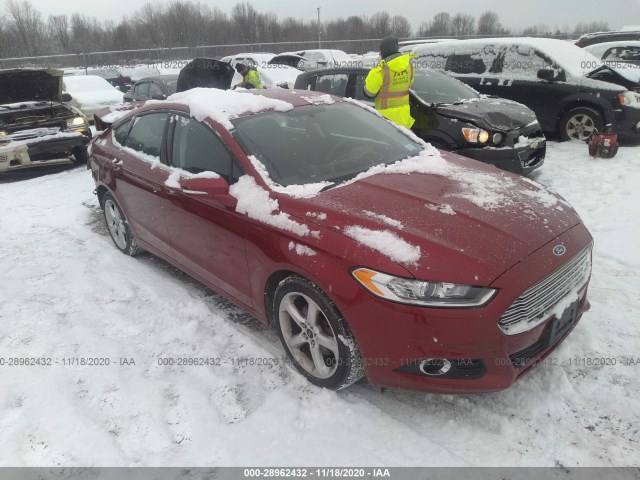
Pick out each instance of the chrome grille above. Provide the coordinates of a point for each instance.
(534, 305)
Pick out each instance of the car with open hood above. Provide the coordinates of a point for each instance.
(36, 127)
(572, 93)
(452, 116)
(369, 251)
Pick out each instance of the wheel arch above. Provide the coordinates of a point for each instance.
(572, 102)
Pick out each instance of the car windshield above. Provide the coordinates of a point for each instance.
(436, 87)
(316, 143)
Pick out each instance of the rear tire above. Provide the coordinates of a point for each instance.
(579, 124)
(314, 334)
(118, 227)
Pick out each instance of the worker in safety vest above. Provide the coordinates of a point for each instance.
(389, 83)
(250, 76)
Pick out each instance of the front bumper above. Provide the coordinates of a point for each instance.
(522, 160)
(39, 148)
(626, 123)
(394, 338)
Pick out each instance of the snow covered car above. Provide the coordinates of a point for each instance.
(368, 250)
(452, 116)
(318, 58)
(617, 53)
(90, 93)
(36, 128)
(572, 93)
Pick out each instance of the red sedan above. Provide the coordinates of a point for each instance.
(369, 251)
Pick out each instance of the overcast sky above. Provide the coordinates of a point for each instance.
(514, 14)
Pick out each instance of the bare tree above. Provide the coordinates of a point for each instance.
(27, 24)
(440, 25)
(462, 24)
(489, 23)
(380, 24)
(401, 27)
(59, 32)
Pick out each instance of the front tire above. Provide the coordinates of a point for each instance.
(314, 334)
(118, 227)
(580, 123)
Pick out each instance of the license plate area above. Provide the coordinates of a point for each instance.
(561, 325)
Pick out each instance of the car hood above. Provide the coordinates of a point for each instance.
(207, 73)
(25, 84)
(490, 113)
(627, 76)
(471, 224)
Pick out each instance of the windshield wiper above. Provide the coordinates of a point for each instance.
(327, 187)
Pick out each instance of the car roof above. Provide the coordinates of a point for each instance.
(158, 77)
(297, 98)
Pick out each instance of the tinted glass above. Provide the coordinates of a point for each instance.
(197, 149)
(155, 89)
(142, 89)
(171, 86)
(120, 132)
(318, 143)
(333, 84)
(436, 87)
(146, 134)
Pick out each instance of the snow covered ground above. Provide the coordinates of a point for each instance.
(66, 292)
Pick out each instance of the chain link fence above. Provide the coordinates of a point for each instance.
(175, 57)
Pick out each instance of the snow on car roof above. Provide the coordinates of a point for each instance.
(575, 60)
(222, 106)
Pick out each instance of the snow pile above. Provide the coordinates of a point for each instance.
(319, 99)
(173, 180)
(308, 190)
(254, 201)
(319, 216)
(444, 208)
(388, 220)
(224, 105)
(387, 243)
(302, 250)
(91, 91)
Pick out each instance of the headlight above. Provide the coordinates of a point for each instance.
(3, 133)
(629, 98)
(423, 293)
(475, 135)
(76, 122)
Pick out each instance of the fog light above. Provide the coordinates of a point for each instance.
(497, 138)
(435, 366)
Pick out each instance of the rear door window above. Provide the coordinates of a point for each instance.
(147, 133)
(524, 61)
(142, 90)
(333, 84)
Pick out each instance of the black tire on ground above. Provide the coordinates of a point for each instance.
(321, 331)
(118, 227)
(80, 154)
(579, 123)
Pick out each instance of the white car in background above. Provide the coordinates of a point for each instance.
(257, 59)
(273, 76)
(617, 52)
(320, 58)
(90, 93)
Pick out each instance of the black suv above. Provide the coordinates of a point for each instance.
(451, 116)
(572, 93)
(36, 128)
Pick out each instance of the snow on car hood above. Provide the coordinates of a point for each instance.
(471, 220)
(490, 113)
(30, 84)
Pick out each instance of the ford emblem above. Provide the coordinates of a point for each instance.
(559, 250)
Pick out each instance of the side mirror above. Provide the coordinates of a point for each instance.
(550, 75)
(207, 187)
(204, 186)
(66, 97)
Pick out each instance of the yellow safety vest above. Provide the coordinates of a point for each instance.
(390, 82)
(253, 78)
